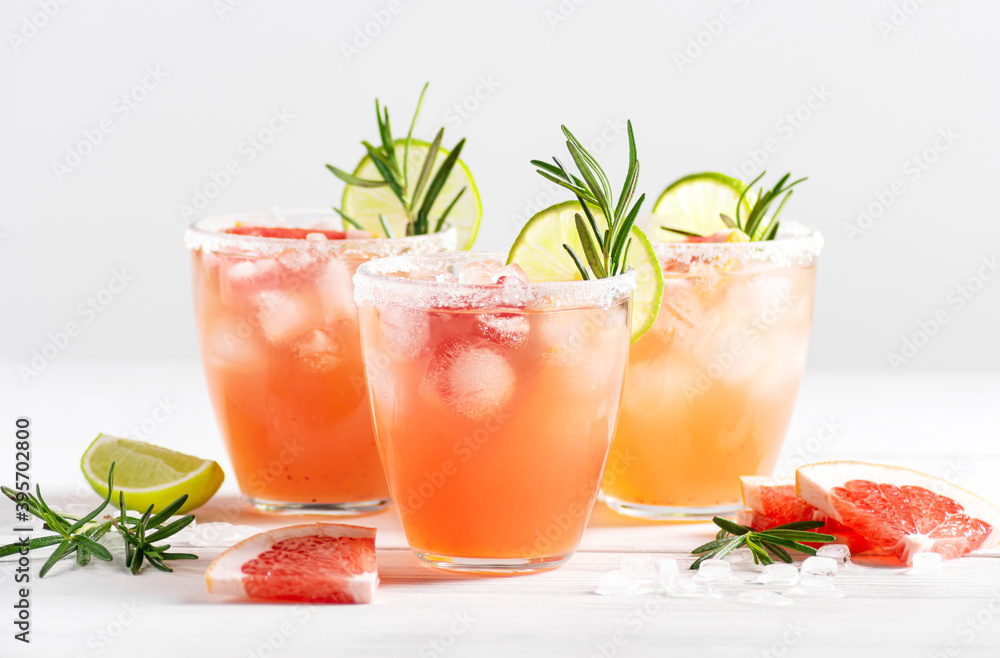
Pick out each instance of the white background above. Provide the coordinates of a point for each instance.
(883, 84)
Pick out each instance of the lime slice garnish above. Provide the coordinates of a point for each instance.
(539, 251)
(693, 204)
(365, 204)
(149, 475)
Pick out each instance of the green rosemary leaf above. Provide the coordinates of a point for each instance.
(777, 550)
(168, 511)
(602, 178)
(386, 174)
(579, 191)
(631, 179)
(171, 529)
(409, 135)
(385, 133)
(447, 210)
(439, 180)
(589, 248)
(625, 229)
(729, 526)
(93, 548)
(601, 239)
(715, 544)
(726, 219)
(107, 499)
(178, 556)
(425, 171)
(760, 553)
(351, 179)
(385, 226)
(347, 220)
(590, 178)
(796, 535)
(577, 262)
(682, 232)
(739, 202)
(623, 263)
(61, 551)
(39, 542)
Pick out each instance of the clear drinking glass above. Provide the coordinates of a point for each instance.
(494, 404)
(281, 349)
(711, 387)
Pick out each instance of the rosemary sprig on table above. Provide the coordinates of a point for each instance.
(790, 535)
(416, 203)
(605, 252)
(80, 536)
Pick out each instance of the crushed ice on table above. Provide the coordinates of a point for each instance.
(739, 556)
(695, 589)
(643, 567)
(839, 552)
(815, 585)
(618, 582)
(669, 571)
(819, 565)
(714, 571)
(926, 563)
(780, 574)
(763, 597)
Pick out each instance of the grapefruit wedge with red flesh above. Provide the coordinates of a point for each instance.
(899, 510)
(772, 502)
(316, 563)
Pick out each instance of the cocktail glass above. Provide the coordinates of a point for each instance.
(494, 404)
(711, 387)
(281, 349)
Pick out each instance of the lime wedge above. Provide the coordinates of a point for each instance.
(693, 204)
(365, 204)
(539, 251)
(149, 475)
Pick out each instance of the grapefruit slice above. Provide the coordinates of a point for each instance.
(899, 510)
(315, 562)
(772, 502)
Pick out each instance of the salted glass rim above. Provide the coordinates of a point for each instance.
(793, 242)
(375, 284)
(209, 233)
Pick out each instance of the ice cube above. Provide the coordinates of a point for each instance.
(406, 331)
(482, 272)
(235, 343)
(730, 353)
(283, 316)
(336, 291)
(471, 380)
(669, 571)
(318, 350)
(819, 566)
(512, 275)
(618, 582)
(507, 329)
(817, 586)
(839, 552)
(694, 589)
(714, 571)
(240, 279)
(643, 567)
(740, 556)
(706, 278)
(763, 597)
(780, 574)
(926, 563)
(680, 315)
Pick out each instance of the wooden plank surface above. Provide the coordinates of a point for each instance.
(943, 425)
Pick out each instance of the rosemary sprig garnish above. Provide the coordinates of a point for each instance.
(754, 226)
(417, 203)
(790, 535)
(80, 536)
(605, 253)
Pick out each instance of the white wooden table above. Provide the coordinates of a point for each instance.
(946, 425)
